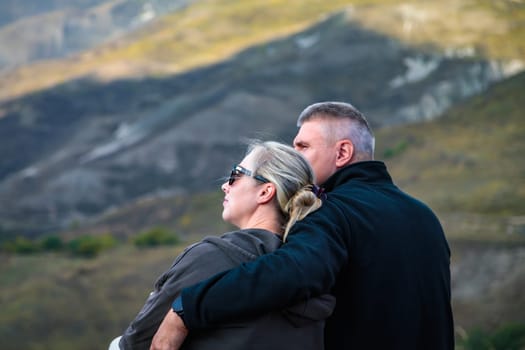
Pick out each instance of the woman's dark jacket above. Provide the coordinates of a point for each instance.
(298, 327)
(382, 253)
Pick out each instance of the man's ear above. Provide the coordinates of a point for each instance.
(345, 152)
(266, 193)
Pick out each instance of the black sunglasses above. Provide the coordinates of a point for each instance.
(238, 171)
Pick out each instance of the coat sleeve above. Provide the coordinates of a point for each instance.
(306, 266)
(196, 263)
(312, 310)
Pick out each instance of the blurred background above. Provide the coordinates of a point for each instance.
(120, 118)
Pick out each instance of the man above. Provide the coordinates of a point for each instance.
(382, 253)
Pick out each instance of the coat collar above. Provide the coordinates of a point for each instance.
(367, 171)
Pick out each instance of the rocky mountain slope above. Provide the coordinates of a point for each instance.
(93, 144)
(52, 29)
(86, 146)
(139, 133)
(486, 237)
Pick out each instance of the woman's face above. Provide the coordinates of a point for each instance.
(240, 198)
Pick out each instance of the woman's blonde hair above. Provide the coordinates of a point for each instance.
(292, 176)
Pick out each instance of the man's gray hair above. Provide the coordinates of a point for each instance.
(358, 130)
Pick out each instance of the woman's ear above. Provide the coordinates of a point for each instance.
(345, 151)
(266, 193)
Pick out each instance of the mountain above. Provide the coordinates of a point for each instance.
(86, 146)
(467, 162)
(163, 110)
(465, 165)
(210, 31)
(12, 10)
(140, 131)
(432, 159)
(54, 29)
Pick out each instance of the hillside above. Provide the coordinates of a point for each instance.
(465, 165)
(470, 146)
(88, 146)
(210, 31)
(140, 132)
(32, 31)
(469, 160)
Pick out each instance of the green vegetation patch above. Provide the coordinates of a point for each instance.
(155, 237)
(506, 337)
(87, 246)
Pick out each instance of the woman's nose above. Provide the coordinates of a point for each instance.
(224, 186)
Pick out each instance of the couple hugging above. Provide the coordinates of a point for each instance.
(356, 264)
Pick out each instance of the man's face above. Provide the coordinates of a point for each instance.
(313, 142)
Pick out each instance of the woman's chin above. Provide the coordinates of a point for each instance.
(226, 217)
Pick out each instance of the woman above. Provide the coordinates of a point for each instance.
(265, 195)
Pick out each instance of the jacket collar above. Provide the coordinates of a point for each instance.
(366, 171)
